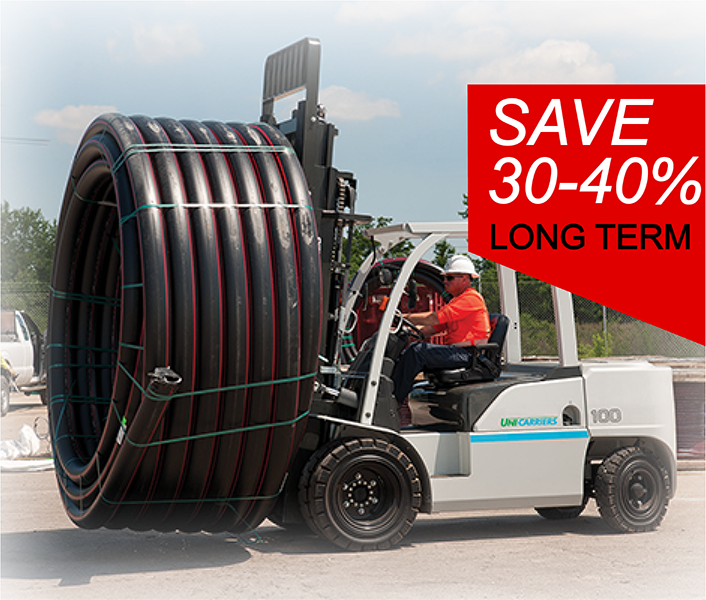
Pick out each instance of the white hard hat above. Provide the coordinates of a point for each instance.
(460, 264)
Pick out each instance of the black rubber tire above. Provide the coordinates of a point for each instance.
(4, 396)
(632, 490)
(360, 494)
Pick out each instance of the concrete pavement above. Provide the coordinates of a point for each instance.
(493, 555)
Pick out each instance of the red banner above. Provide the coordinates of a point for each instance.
(596, 189)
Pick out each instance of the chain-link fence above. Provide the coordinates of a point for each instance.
(600, 331)
(33, 298)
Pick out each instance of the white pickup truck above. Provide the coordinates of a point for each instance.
(22, 349)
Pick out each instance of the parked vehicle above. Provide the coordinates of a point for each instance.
(22, 347)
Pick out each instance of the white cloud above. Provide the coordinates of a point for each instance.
(162, 43)
(468, 44)
(465, 33)
(343, 104)
(441, 26)
(455, 31)
(652, 20)
(380, 12)
(553, 61)
(71, 121)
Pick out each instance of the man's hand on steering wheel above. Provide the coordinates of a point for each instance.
(413, 330)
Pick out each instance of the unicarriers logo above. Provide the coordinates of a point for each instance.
(528, 421)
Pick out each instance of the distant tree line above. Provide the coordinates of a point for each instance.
(27, 245)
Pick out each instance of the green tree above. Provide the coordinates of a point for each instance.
(443, 251)
(600, 346)
(27, 245)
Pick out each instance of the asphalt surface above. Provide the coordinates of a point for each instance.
(476, 555)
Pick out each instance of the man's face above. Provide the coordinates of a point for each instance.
(455, 283)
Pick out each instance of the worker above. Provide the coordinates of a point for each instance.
(463, 322)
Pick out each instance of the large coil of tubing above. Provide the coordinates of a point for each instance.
(184, 324)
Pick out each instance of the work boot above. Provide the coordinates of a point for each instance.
(405, 414)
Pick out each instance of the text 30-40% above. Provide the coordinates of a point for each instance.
(597, 182)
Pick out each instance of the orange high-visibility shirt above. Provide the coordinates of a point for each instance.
(464, 318)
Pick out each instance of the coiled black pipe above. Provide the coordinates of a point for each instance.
(184, 324)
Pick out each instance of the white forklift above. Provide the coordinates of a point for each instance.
(547, 436)
(502, 434)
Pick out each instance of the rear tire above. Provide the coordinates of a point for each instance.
(632, 490)
(361, 494)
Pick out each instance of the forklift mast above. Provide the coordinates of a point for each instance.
(333, 193)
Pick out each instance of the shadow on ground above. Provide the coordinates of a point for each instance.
(75, 556)
(432, 530)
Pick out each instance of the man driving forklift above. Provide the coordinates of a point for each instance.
(463, 322)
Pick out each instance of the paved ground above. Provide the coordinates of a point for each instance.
(493, 555)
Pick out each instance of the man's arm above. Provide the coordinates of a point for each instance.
(425, 322)
(425, 318)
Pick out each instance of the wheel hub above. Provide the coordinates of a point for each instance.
(640, 491)
(360, 495)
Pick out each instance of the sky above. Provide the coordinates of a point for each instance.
(394, 76)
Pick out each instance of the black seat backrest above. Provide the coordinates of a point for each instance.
(498, 329)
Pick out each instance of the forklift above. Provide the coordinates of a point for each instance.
(503, 433)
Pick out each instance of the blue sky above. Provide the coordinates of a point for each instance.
(393, 76)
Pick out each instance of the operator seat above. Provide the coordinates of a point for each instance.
(486, 365)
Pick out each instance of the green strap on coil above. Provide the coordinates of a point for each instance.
(173, 148)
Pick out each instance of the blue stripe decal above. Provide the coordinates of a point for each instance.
(530, 436)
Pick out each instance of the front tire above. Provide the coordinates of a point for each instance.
(632, 490)
(360, 494)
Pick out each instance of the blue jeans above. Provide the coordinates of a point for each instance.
(420, 356)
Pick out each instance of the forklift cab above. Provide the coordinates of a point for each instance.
(444, 400)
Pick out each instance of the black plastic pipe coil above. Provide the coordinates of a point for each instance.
(184, 324)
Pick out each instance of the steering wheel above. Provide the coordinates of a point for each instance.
(410, 327)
